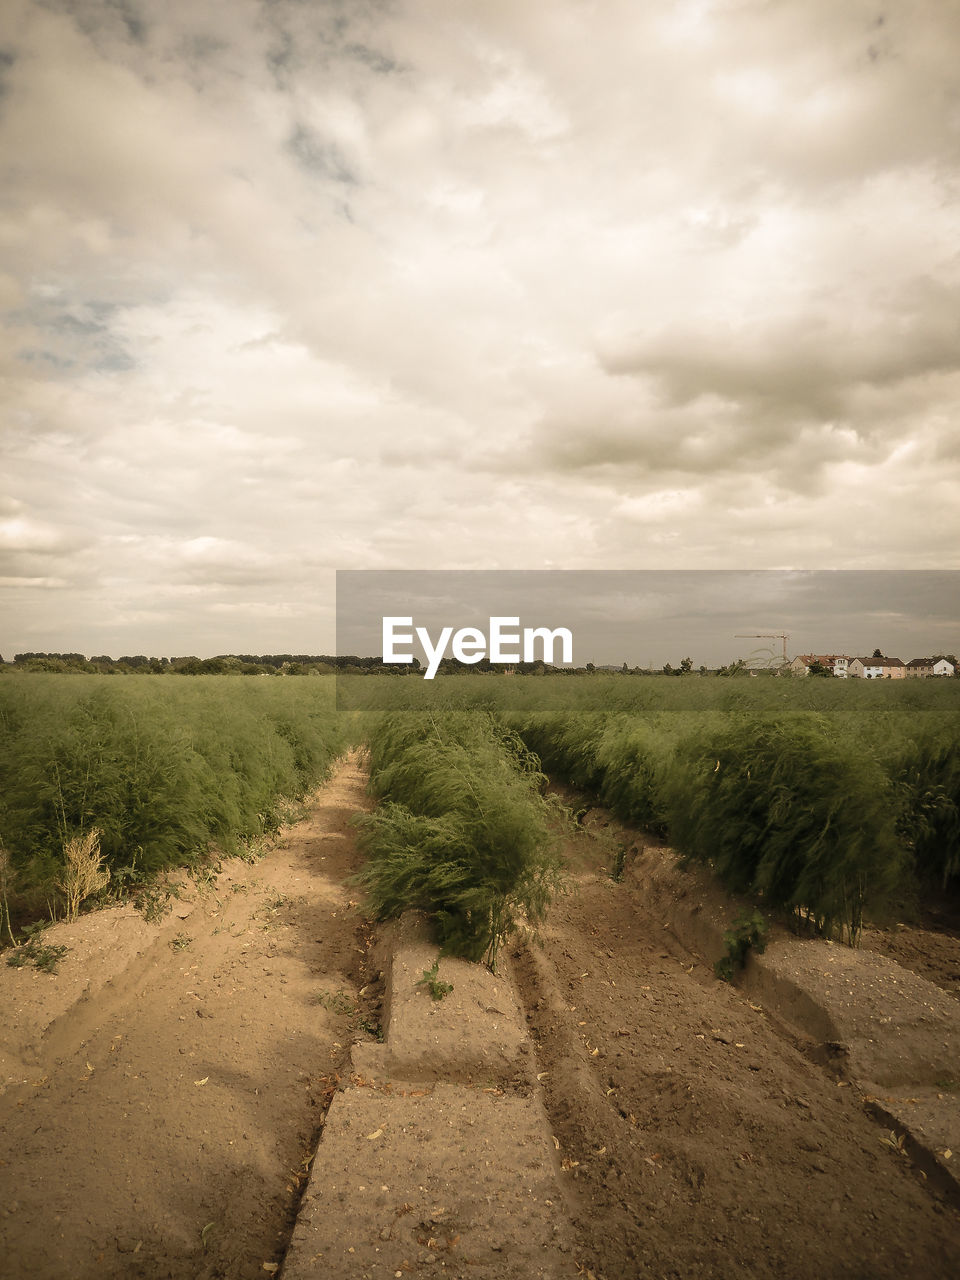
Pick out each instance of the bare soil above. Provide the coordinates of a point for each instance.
(699, 1137)
(163, 1125)
(934, 953)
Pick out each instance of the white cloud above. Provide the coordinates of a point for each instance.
(290, 287)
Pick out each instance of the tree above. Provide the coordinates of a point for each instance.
(877, 654)
(819, 669)
(735, 668)
(686, 664)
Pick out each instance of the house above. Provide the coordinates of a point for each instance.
(880, 668)
(836, 662)
(918, 668)
(923, 667)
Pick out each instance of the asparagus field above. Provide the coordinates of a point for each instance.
(831, 817)
(161, 771)
(830, 800)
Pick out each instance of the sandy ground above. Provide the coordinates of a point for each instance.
(699, 1139)
(163, 1126)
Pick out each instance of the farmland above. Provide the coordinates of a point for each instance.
(696, 1133)
(163, 772)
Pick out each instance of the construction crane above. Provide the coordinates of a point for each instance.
(766, 635)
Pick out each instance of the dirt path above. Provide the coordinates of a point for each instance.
(160, 1126)
(164, 1126)
(696, 1140)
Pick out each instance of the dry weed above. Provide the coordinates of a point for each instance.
(83, 872)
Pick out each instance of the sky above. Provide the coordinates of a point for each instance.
(647, 618)
(293, 286)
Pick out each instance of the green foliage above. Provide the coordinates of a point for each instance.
(927, 771)
(787, 809)
(820, 798)
(567, 745)
(462, 831)
(336, 1001)
(748, 933)
(433, 982)
(162, 768)
(632, 754)
(42, 955)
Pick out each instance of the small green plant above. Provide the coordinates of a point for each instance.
(336, 1001)
(181, 941)
(748, 932)
(431, 980)
(252, 849)
(205, 877)
(43, 956)
(619, 858)
(374, 1029)
(153, 903)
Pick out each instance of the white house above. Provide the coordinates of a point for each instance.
(876, 668)
(922, 667)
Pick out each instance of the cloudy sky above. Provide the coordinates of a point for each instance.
(288, 287)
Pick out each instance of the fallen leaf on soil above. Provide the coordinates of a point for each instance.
(272, 1267)
(946, 1154)
(198, 1083)
(376, 1134)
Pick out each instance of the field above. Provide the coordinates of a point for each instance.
(162, 771)
(699, 1131)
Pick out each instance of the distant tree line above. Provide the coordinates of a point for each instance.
(303, 664)
(245, 664)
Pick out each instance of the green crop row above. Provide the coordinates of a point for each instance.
(163, 770)
(463, 829)
(829, 816)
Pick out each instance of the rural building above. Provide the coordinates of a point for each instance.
(836, 662)
(922, 667)
(919, 667)
(877, 668)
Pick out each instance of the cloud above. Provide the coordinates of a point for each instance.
(806, 364)
(301, 286)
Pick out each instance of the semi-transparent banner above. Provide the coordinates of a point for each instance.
(668, 639)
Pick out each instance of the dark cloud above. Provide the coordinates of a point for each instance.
(807, 364)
